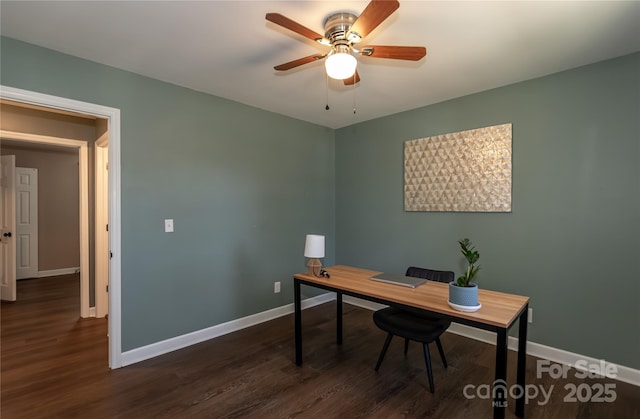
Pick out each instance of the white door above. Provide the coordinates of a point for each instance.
(8, 227)
(26, 222)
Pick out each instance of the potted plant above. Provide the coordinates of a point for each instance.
(463, 293)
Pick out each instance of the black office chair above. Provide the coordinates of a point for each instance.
(419, 327)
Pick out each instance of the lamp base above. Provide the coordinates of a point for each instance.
(315, 266)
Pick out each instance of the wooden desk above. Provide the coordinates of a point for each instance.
(498, 313)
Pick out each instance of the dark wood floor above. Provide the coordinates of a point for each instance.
(54, 365)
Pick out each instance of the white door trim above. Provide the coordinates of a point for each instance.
(113, 117)
(101, 240)
(83, 176)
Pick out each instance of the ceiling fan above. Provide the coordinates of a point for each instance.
(342, 32)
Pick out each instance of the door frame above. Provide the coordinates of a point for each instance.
(112, 115)
(101, 222)
(83, 176)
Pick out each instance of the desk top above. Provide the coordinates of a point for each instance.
(498, 308)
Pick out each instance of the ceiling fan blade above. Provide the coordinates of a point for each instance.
(394, 52)
(299, 62)
(352, 80)
(287, 23)
(373, 15)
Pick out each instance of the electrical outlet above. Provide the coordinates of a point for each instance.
(276, 287)
(530, 315)
(168, 226)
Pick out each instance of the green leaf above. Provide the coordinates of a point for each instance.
(472, 256)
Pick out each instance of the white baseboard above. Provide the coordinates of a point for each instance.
(625, 374)
(179, 342)
(57, 272)
(559, 356)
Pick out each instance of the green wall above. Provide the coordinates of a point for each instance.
(236, 180)
(571, 240)
(238, 183)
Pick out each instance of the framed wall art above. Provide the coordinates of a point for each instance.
(466, 171)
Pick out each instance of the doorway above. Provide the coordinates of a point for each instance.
(83, 203)
(112, 116)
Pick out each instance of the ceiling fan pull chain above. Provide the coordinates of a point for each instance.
(326, 84)
(354, 95)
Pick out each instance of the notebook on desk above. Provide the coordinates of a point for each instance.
(405, 281)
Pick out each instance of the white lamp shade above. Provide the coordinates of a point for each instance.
(340, 65)
(314, 246)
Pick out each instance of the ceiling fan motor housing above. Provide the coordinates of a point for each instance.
(337, 27)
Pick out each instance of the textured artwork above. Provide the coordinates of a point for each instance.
(467, 171)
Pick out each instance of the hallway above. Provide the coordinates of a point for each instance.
(45, 346)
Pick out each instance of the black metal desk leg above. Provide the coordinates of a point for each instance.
(500, 383)
(522, 359)
(339, 318)
(298, 320)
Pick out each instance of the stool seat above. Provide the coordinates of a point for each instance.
(407, 325)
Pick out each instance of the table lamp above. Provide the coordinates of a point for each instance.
(314, 249)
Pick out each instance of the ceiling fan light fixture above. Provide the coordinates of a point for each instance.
(341, 65)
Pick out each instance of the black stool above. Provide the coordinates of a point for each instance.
(411, 326)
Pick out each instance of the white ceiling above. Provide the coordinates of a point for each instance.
(228, 49)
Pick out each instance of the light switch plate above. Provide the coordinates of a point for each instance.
(168, 226)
